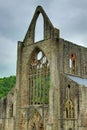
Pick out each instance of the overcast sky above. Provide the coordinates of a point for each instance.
(70, 16)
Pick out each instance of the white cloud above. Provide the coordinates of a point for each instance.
(7, 57)
(70, 16)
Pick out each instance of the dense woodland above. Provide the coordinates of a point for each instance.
(6, 84)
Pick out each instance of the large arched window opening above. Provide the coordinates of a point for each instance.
(39, 29)
(39, 78)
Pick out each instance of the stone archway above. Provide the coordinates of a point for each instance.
(35, 121)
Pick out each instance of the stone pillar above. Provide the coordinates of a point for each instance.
(18, 80)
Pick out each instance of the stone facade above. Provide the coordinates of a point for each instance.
(51, 83)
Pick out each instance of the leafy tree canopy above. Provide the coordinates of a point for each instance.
(6, 84)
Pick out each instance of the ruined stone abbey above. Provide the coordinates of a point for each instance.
(51, 83)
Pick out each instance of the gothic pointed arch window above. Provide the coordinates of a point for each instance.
(69, 109)
(72, 63)
(39, 78)
(39, 28)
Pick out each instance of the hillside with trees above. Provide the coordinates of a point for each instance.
(6, 84)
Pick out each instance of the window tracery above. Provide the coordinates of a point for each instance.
(39, 79)
(69, 109)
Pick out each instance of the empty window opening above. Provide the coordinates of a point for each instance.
(39, 79)
(11, 110)
(4, 105)
(39, 29)
(72, 62)
(68, 91)
(69, 109)
(68, 86)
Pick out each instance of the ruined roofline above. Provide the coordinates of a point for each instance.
(81, 81)
(49, 30)
(77, 79)
(75, 44)
(38, 10)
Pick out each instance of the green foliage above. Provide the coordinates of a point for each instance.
(6, 85)
(41, 90)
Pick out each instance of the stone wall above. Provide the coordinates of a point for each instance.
(69, 49)
(69, 91)
(78, 95)
(8, 111)
(24, 76)
(82, 107)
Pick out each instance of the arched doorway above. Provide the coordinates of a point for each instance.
(35, 121)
